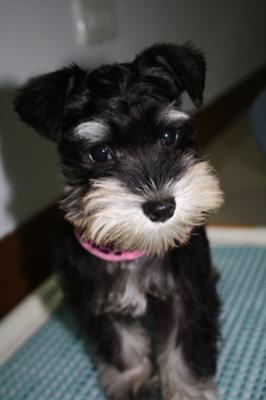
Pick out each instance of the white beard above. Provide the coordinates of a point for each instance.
(112, 214)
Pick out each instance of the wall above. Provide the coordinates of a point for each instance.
(38, 36)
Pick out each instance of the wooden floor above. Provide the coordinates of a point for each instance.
(242, 172)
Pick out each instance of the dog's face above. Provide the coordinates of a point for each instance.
(134, 177)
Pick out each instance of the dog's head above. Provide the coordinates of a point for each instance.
(134, 176)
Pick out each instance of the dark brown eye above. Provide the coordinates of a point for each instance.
(101, 153)
(169, 138)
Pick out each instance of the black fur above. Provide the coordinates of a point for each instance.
(54, 102)
(185, 272)
(179, 285)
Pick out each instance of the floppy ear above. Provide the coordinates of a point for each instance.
(43, 100)
(185, 64)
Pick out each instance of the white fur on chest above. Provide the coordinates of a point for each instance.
(127, 296)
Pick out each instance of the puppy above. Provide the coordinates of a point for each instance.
(137, 195)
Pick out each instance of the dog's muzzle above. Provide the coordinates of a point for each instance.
(159, 211)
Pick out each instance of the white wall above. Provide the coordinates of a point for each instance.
(38, 36)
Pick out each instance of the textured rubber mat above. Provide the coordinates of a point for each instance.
(55, 364)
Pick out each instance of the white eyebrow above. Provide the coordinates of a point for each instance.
(92, 130)
(172, 115)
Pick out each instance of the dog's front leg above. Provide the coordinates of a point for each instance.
(122, 355)
(180, 376)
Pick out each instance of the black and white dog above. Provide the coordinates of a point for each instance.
(137, 196)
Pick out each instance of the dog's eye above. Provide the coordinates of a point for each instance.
(100, 153)
(169, 138)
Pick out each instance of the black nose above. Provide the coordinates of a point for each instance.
(159, 211)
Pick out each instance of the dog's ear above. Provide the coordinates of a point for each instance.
(43, 100)
(184, 64)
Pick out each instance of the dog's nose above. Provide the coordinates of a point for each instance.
(159, 211)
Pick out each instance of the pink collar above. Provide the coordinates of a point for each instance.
(106, 253)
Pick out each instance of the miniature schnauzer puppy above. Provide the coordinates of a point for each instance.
(137, 196)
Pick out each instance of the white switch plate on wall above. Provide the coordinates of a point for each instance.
(95, 20)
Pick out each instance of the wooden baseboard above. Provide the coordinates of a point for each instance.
(25, 258)
(220, 113)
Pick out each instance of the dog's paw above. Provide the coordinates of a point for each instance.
(150, 391)
(197, 394)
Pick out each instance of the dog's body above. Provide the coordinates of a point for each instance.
(135, 183)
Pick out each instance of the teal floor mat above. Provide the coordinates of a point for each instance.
(54, 363)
